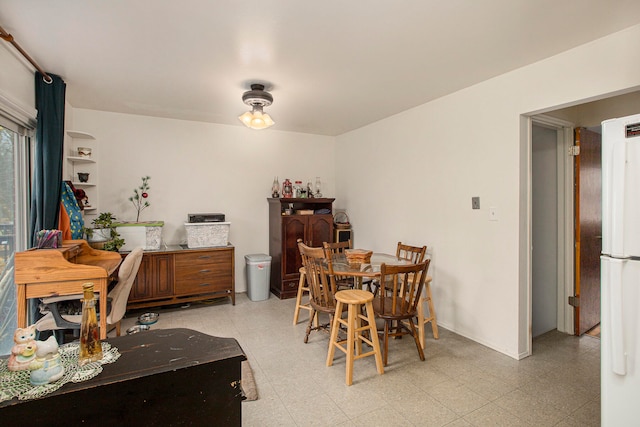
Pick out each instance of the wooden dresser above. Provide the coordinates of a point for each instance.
(284, 231)
(177, 275)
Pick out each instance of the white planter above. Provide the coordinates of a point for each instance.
(147, 235)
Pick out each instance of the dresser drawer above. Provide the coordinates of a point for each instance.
(203, 272)
(193, 260)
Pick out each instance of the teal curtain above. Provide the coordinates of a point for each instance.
(49, 148)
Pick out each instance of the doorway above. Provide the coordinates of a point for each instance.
(552, 228)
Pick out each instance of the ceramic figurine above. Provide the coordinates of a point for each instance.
(47, 365)
(24, 350)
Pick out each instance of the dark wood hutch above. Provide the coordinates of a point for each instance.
(310, 220)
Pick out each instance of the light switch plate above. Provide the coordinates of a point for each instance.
(475, 203)
(493, 213)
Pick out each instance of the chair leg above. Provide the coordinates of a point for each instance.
(385, 351)
(299, 305)
(414, 333)
(432, 312)
(118, 328)
(311, 316)
(335, 327)
(421, 323)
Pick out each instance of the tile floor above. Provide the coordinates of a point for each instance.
(461, 383)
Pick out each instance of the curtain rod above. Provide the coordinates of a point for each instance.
(9, 38)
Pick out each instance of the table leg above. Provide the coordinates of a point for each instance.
(21, 299)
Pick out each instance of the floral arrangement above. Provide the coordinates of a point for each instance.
(140, 195)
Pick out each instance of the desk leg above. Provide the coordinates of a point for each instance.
(21, 300)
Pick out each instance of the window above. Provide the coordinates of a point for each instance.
(15, 152)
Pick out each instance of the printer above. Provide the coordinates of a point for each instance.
(206, 217)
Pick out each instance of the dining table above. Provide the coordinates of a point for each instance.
(365, 270)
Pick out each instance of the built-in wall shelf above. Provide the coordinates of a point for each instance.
(77, 163)
(75, 159)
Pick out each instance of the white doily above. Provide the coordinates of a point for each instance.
(17, 383)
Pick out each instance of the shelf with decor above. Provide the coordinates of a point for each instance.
(81, 159)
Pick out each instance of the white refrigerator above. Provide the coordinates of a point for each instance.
(620, 261)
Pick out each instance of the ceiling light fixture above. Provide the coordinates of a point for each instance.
(257, 99)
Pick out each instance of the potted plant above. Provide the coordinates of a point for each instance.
(103, 235)
(147, 234)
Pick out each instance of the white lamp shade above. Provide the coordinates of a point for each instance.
(256, 120)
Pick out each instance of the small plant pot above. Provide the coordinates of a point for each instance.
(83, 176)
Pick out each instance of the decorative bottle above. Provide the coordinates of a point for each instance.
(275, 188)
(287, 189)
(90, 345)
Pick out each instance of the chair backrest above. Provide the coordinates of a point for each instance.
(336, 247)
(332, 249)
(120, 293)
(321, 285)
(413, 254)
(401, 288)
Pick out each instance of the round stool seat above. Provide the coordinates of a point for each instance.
(354, 296)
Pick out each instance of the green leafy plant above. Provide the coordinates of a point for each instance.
(105, 221)
(140, 195)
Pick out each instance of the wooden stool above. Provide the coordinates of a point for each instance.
(355, 299)
(422, 320)
(302, 288)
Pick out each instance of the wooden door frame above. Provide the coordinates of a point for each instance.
(565, 221)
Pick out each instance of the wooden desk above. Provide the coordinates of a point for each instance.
(41, 273)
(163, 377)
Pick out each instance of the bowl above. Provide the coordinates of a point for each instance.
(137, 328)
(148, 318)
(84, 151)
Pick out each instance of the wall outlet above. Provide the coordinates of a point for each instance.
(475, 203)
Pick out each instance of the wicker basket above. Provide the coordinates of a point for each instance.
(341, 220)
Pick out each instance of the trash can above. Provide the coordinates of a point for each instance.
(258, 275)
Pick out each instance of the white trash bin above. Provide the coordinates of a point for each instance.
(258, 276)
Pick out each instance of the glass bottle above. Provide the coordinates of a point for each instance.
(275, 188)
(90, 345)
(318, 193)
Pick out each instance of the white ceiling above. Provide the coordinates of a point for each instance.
(332, 65)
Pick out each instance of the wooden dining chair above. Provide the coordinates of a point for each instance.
(400, 292)
(416, 254)
(321, 286)
(413, 254)
(302, 290)
(331, 250)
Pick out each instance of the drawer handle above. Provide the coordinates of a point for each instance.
(202, 285)
(204, 257)
(205, 271)
(292, 284)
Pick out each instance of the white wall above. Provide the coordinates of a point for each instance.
(418, 170)
(201, 167)
(409, 177)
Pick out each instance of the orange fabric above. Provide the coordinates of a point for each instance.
(64, 224)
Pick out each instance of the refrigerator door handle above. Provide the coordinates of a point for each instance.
(618, 355)
(617, 189)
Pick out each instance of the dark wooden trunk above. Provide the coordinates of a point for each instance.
(164, 377)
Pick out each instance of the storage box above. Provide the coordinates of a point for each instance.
(147, 235)
(207, 234)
